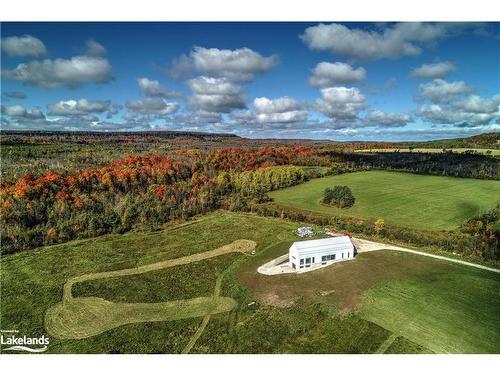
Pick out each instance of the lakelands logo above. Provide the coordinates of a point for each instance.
(11, 341)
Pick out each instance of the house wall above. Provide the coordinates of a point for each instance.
(295, 255)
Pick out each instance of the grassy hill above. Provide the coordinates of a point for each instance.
(346, 308)
(416, 201)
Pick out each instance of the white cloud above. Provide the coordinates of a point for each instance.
(435, 70)
(217, 95)
(400, 39)
(279, 105)
(476, 104)
(23, 46)
(78, 107)
(93, 48)
(153, 88)
(19, 111)
(327, 74)
(387, 119)
(243, 116)
(341, 103)
(439, 90)
(152, 106)
(61, 72)
(280, 110)
(238, 65)
(473, 111)
(113, 110)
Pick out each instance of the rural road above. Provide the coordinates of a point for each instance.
(363, 246)
(279, 266)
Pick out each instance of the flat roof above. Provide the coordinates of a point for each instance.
(327, 243)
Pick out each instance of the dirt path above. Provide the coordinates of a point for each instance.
(365, 246)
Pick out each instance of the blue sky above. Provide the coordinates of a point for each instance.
(342, 81)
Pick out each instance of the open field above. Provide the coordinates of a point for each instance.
(80, 318)
(434, 311)
(483, 151)
(77, 318)
(333, 310)
(424, 202)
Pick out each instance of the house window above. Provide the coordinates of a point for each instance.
(342, 255)
(308, 260)
(302, 261)
(348, 254)
(326, 258)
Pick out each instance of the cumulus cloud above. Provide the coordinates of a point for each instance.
(387, 119)
(476, 104)
(440, 90)
(472, 111)
(61, 72)
(243, 116)
(151, 106)
(238, 65)
(435, 70)
(153, 88)
(93, 48)
(19, 111)
(217, 95)
(392, 42)
(280, 110)
(341, 103)
(23, 46)
(113, 110)
(78, 107)
(327, 74)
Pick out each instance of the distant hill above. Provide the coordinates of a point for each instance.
(485, 140)
(13, 137)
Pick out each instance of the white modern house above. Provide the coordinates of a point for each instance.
(316, 253)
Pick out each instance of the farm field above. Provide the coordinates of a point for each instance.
(403, 199)
(339, 309)
(483, 151)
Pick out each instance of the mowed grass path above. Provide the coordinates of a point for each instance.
(460, 303)
(403, 199)
(77, 318)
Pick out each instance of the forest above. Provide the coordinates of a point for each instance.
(187, 175)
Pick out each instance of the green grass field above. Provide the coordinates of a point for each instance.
(403, 199)
(436, 309)
(361, 306)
